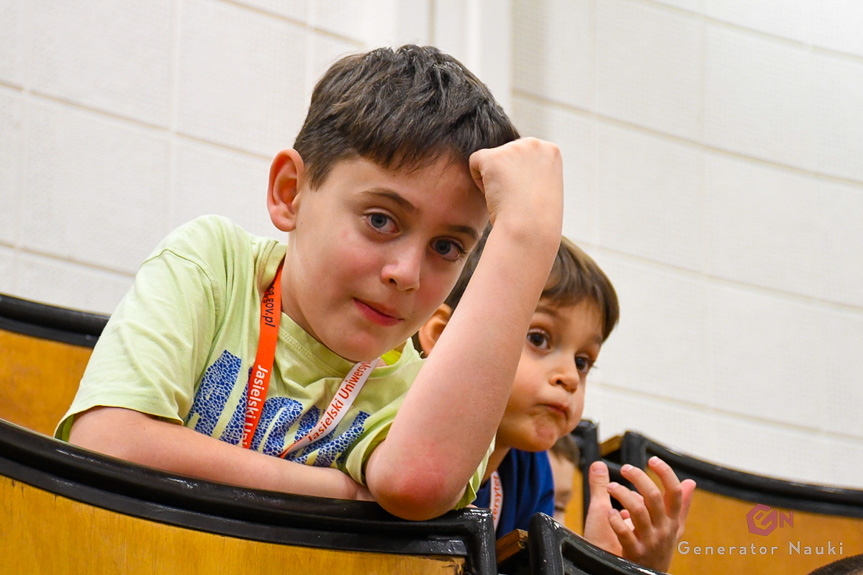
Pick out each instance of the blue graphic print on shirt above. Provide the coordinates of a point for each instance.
(278, 415)
(213, 394)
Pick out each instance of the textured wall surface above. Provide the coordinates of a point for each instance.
(713, 155)
(714, 159)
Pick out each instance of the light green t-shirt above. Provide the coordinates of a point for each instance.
(182, 341)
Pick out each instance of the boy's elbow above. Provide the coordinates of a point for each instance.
(416, 496)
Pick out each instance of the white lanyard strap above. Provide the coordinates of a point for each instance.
(495, 497)
(335, 412)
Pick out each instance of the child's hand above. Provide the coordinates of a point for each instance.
(522, 182)
(653, 521)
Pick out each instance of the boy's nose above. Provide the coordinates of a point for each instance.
(566, 376)
(403, 271)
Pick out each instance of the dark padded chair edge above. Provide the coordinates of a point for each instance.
(50, 322)
(747, 486)
(554, 550)
(150, 494)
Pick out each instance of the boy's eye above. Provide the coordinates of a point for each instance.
(381, 222)
(538, 339)
(447, 249)
(583, 364)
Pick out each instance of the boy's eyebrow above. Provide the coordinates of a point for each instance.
(391, 195)
(550, 309)
(409, 207)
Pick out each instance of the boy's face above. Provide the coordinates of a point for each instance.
(374, 252)
(563, 471)
(547, 397)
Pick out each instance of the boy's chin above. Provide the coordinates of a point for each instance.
(356, 354)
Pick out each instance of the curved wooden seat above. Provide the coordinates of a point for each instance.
(745, 523)
(43, 353)
(69, 510)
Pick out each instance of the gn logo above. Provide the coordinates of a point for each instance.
(763, 520)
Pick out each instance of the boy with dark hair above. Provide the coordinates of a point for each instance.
(230, 349)
(576, 313)
(563, 459)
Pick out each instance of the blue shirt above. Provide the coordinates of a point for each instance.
(528, 488)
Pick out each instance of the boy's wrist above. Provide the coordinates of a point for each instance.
(527, 233)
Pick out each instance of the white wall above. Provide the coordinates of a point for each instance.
(714, 167)
(713, 163)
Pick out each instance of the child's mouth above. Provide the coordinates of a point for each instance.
(376, 315)
(559, 410)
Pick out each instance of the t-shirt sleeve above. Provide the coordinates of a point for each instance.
(475, 481)
(151, 351)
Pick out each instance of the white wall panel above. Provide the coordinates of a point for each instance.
(660, 346)
(574, 133)
(758, 94)
(785, 18)
(649, 66)
(836, 119)
(213, 181)
(650, 197)
(675, 425)
(781, 452)
(553, 56)
(241, 77)
(77, 287)
(842, 366)
(98, 188)
(765, 225)
(841, 280)
(841, 465)
(14, 30)
(294, 9)
(114, 56)
(696, 6)
(836, 25)
(12, 152)
(764, 353)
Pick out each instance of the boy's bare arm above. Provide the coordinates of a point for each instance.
(451, 414)
(145, 440)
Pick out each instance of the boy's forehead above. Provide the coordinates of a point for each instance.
(585, 309)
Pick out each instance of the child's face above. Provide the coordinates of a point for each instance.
(547, 397)
(374, 252)
(563, 471)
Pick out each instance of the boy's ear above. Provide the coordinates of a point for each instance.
(431, 330)
(287, 179)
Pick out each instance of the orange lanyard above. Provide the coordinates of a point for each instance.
(259, 378)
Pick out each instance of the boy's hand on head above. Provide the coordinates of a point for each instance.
(653, 520)
(523, 183)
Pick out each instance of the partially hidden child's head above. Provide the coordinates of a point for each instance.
(563, 457)
(402, 108)
(575, 315)
(378, 196)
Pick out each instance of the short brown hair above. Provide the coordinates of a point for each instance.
(574, 276)
(402, 108)
(567, 448)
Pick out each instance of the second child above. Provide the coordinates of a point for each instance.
(575, 315)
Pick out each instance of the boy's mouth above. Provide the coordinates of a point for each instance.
(377, 313)
(558, 409)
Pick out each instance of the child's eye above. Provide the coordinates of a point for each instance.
(538, 339)
(583, 365)
(381, 222)
(447, 249)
